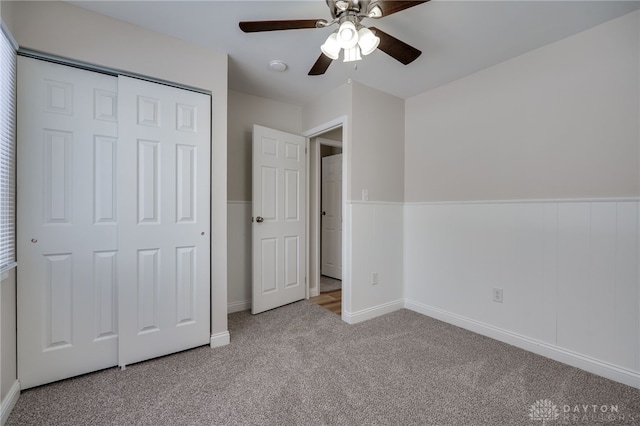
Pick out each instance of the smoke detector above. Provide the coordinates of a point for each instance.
(277, 65)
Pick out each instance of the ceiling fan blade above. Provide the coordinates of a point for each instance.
(395, 48)
(321, 65)
(389, 7)
(258, 26)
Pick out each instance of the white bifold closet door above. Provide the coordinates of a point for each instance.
(163, 158)
(82, 265)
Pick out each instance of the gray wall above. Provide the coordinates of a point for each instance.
(558, 122)
(377, 156)
(244, 111)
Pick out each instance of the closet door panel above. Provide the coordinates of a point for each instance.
(164, 157)
(66, 222)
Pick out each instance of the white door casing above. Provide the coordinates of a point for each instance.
(164, 157)
(331, 218)
(279, 212)
(67, 223)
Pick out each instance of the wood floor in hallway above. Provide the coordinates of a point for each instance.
(331, 300)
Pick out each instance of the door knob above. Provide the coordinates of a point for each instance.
(259, 219)
(324, 213)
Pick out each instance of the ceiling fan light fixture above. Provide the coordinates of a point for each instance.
(350, 35)
(331, 47)
(352, 54)
(347, 35)
(367, 41)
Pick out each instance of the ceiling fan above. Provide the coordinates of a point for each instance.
(351, 36)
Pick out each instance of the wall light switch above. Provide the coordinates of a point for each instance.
(374, 278)
(365, 195)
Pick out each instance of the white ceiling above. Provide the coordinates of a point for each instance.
(457, 38)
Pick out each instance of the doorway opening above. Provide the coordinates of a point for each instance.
(325, 219)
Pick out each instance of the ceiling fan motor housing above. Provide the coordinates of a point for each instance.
(339, 7)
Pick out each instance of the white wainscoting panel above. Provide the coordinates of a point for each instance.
(598, 292)
(376, 235)
(568, 270)
(239, 256)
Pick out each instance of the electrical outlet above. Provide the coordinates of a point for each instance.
(374, 278)
(497, 295)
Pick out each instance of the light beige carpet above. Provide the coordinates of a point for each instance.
(301, 365)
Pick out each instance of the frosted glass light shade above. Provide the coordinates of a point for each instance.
(347, 35)
(367, 41)
(331, 47)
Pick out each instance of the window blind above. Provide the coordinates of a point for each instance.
(7, 152)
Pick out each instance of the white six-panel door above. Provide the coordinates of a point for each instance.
(113, 221)
(279, 211)
(164, 158)
(67, 224)
(332, 216)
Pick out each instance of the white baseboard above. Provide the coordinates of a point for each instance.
(220, 339)
(9, 402)
(376, 311)
(609, 371)
(240, 306)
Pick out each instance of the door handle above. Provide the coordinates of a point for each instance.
(324, 213)
(259, 219)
